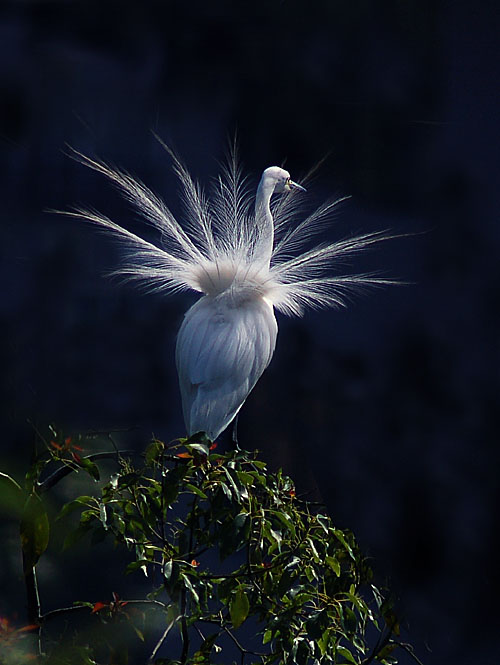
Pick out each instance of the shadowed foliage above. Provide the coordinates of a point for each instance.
(234, 564)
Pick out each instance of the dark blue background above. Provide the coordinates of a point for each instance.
(388, 410)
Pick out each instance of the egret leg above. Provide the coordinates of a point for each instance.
(234, 435)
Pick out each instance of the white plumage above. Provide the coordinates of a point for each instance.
(222, 349)
(243, 259)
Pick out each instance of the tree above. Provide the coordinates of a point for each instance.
(236, 566)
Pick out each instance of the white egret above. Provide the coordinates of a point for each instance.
(244, 260)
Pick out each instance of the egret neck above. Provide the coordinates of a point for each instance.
(264, 224)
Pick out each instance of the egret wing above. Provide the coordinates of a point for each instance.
(221, 353)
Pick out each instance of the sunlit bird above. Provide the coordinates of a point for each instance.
(243, 258)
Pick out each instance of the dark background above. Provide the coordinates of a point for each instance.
(388, 410)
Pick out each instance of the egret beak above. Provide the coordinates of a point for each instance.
(295, 185)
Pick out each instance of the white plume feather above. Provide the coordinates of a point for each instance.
(216, 248)
(246, 260)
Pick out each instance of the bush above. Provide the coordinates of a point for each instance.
(234, 564)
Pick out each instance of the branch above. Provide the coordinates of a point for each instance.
(184, 628)
(64, 471)
(32, 597)
(381, 643)
(409, 650)
(53, 614)
(240, 646)
(162, 639)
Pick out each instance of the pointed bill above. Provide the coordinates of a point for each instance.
(295, 185)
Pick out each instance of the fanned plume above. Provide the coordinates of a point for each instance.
(215, 250)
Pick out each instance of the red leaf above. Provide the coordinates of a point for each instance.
(195, 563)
(32, 626)
(77, 458)
(98, 607)
(213, 446)
(184, 455)
(55, 445)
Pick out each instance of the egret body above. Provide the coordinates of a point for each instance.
(243, 259)
(227, 338)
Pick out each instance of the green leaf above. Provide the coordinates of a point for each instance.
(340, 537)
(103, 516)
(34, 530)
(11, 496)
(314, 551)
(76, 504)
(138, 632)
(90, 467)
(189, 586)
(33, 474)
(196, 490)
(128, 480)
(285, 520)
(391, 621)
(301, 651)
(153, 452)
(386, 651)
(208, 644)
(246, 478)
(276, 536)
(234, 534)
(310, 573)
(239, 607)
(346, 654)
(334, 565)
(171, 483)
(324, 522)
(202, 449)
(259, 464)
(199, 438)
(226, 490)
(323, 641)
(8, 480)
(167, 569)
(235, 488)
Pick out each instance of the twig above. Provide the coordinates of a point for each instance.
(161, 640)
(381, 643)
(97, 432)
(240, 646)
(184, 629)
(32, 597)
(64, 471)
(61, 611)
(409, 650)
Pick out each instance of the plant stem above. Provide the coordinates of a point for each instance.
(184, 629)
(53, 614)
(64, 471)
(161, 640)
(32, 597)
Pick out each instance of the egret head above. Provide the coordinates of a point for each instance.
(279, 180)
